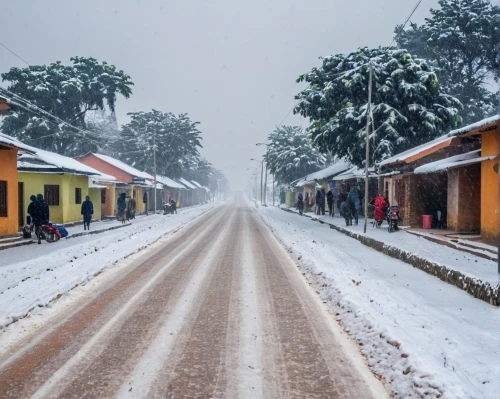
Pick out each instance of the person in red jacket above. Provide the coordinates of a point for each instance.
(380, 208)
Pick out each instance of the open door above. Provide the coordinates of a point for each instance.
(20, 202)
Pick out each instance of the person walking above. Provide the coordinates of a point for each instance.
(36, 216)
(173, 206)
(340, 199)
(354, 203)
(145, 200)
(380, 205)
(329, 200)
(122, 206)
(87, 211)
(44, 209)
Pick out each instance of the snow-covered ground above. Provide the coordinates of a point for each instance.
(468, 264)
(34, 275)
(424, 336)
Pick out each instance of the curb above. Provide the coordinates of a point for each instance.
(85, 233)
(477, 288)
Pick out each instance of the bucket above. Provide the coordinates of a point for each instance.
(426, 221)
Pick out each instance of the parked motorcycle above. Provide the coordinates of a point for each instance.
(50, 232)
(393, 218)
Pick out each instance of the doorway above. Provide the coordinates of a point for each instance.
(20, 204)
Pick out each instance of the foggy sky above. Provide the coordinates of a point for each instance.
(229, 64)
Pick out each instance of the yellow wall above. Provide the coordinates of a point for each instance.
(95, 197)
(8, 173)
(67, 210)
(489, 187)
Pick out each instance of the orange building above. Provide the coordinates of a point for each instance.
(11, 191)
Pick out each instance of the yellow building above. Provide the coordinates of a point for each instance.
(63, 182)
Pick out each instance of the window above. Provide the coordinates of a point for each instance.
(387, 189)
(3, 199)
(51, 193)
(78, 195)
(103, 196)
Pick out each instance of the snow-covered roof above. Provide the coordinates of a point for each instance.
(354, 173)
(453, 162)
(123, 166)
(196, 184)
(304, 182)
(46, 160)
(13, 142)
(335, 169)
(438, 143)
(95, 185)
(187, 184)
(477, 125)
(169, 182)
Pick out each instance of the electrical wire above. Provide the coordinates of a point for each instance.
(12, 52)
(390, 45)
(406, 22)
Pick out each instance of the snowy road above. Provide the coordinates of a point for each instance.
(217, 309)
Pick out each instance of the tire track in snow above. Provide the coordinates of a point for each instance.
(35, 361)
(202, 364)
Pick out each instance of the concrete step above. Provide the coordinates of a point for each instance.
(13, 244)
(6, 240)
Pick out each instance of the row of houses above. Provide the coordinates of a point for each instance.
(65, 182)
(454, 178)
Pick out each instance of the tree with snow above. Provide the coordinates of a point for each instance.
(408, 107)
(68, 92)
(291, 154)
(200, 172)
(176, 140)
(461, 39)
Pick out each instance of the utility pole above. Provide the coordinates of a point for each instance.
(154, 160)
(367, 160)
(262, 183)
(265, 187)
(273, 188)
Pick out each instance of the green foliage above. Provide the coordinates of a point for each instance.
(67, 91)
(407, 105)
(177, 141)
(291, 154)
(461, 39)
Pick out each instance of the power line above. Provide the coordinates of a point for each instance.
(28, 106)
(344, 73)
(407, 20)
(12, 52)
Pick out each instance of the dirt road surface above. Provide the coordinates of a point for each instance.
(218, 310)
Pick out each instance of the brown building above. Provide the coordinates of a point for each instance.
(452, 178)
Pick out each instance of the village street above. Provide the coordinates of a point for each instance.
(217, 309)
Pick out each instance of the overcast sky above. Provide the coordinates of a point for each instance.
(229, 64)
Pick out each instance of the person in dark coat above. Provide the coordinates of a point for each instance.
(145, 200)
(345, 211)
(173, 206)
(122, 206)
(36, 215)
(354, 203)
(320, 202)
(44, 209)
(341, 198)
(329, 200)
(87, 212)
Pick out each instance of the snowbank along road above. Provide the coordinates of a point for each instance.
(219, 310)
